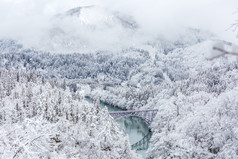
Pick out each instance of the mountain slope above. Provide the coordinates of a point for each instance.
(38, 119)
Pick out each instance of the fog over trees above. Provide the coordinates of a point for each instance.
(178, 59)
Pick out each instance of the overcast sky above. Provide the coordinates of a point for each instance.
(168, 15)
(27, 20)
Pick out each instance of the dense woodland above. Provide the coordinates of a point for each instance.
(196, 117)
(196, 100)
(104, 67)
(42, 118)
(44, 113)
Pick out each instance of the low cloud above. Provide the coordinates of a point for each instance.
(38, 24)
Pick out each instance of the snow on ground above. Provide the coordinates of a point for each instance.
(41, 118)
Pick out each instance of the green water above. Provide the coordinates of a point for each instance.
(135, 127)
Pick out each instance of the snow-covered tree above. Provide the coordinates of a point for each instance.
(38, 119)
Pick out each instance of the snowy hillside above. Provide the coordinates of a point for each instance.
(129, 57)
(38, 119)
(196, 114)
(132, 65)
(177, 79)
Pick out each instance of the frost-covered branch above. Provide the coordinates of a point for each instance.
(222, 53)
(19, 150)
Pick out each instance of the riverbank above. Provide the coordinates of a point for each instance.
(134, 127)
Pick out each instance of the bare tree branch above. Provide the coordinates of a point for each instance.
(19, 150)
(234, 26)
(223, 52)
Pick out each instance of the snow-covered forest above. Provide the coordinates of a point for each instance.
(42, 119)
(128, 58)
